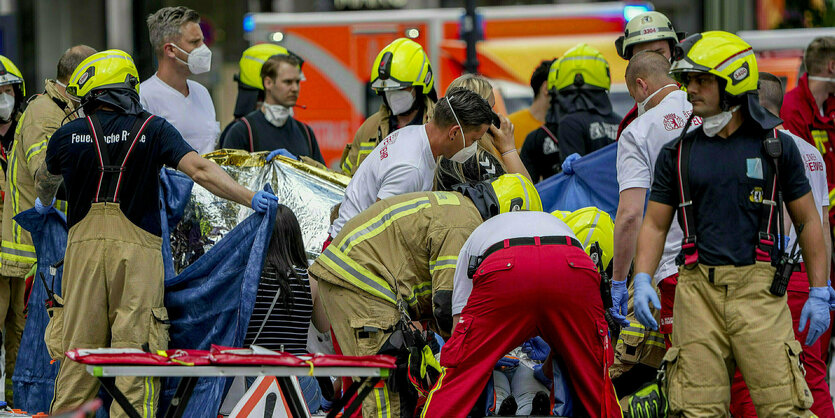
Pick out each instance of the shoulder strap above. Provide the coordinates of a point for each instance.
(249, 130)
(550, 134)
(765, 238)
(686, 208)
(309, 140)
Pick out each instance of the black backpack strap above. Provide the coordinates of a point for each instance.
(686, 209)
(766, 238)
(550, 135)
(108, 168)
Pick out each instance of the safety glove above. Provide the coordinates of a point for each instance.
(261, 201)
(816, 313)
(536, 348)
(620, 297)
(506, 361)
(644, 294)
(281, 151)
(424, 369)
(647, 402)
(567, 166)
(41, 208)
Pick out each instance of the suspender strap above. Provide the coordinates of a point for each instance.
(550, 135)
(766, 239)
(686, 209)
(110, 174)
(251, 133)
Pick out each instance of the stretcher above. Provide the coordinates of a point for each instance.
(189, 365)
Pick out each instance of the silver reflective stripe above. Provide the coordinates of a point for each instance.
(591, 231)
(585, 57)
(657, 30)
(734, 59)
(21, 253)
(443, 263)
(81, 70)
(359, 276)
(380, 222)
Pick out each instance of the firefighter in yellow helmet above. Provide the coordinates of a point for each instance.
(649, 31)
(376, 277)
(109, 162)
(43, 115)
(728, 179)
(12, 96)
(587, 121)
(522, 274)
(250, 84)
(403, 76)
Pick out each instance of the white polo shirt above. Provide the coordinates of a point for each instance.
(193, 115)
(816, 174)
(638, 148)
(402, 163)
(499, 228)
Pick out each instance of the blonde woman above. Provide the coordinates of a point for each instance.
(498, 142)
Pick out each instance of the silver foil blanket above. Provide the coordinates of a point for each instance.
(309, 191)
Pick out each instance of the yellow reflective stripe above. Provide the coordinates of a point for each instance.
(347, 166)
(832, 198)
(378, 224)
(35, 149)
(17, 252)
(357, 275)
(820, 138)
(14, 192)
(367, 147)
(632, 333)
(445, 262)
(418, 290)
(437, 387)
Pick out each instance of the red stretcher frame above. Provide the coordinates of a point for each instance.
(369, 376)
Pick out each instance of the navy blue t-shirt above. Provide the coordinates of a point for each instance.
(72, 154)
(727, 183)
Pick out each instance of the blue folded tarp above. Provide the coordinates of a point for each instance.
(34, 376)
(594, 183)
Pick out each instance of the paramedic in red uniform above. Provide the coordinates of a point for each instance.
(809, 109)
(534, 257)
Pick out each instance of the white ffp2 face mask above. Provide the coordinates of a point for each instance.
(6, 107)
(466, 152)
(642, 106)
(400, 101)
(199, 59)
(713, 124)
(277, 114)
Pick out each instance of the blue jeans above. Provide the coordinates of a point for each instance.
(310, 390)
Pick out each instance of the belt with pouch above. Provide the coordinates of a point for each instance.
(476, 261)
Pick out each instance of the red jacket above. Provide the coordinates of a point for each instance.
(801, 117)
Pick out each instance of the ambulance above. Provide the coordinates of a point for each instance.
(339, 48)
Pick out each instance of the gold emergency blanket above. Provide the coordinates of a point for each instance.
(311, 192)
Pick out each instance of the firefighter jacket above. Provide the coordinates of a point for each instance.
(403, 250)
(44, 114)
(370, 133)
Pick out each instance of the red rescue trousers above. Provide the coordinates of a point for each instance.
(813, 358)
(519, 292)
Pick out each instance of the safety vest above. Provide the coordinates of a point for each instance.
(766, 238)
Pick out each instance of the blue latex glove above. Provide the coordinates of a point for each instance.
(281, 151)
(620, 296)
(816, 312)
(507, 362)
(537, 348)
(261, 201)
(540, 376)
(567, 167)
(831, 295)
(40, 207)
(644, 294)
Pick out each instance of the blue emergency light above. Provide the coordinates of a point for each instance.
(632, 10)
(249, 23)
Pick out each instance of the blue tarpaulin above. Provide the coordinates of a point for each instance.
(34, 377)
(594, 183)
(211, 301)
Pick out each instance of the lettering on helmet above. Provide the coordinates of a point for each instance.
(648, 30)
(428, 77)
(86, 76)
(740, 74)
